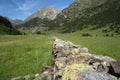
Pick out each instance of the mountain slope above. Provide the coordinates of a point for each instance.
(45, 12)
(15, 22)
(93, 12)
(34, 25)
(82, 14)
(38, 21)
(6, 27)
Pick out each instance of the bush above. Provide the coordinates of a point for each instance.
(41, 33)
(96, 35)
(107, 35)
(104, 31)
(38, 32)
(86, 34)
(112, 35)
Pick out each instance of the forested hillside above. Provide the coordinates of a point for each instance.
(6, 27)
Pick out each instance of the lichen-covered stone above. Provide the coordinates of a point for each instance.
(72, 71)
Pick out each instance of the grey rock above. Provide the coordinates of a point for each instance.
(99, 76)
(116, 66)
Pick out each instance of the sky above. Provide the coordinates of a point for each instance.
(21, 9)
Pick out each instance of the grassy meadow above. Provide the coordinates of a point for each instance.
(27, 54)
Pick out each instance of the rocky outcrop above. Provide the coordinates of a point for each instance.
(49, 13)
(73, 62)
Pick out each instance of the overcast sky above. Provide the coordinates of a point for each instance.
(20, 9)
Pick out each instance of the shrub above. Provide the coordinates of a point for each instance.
(104, 31)
(107, 35)
(112, 35)
(96, 35)
(38, 32)
(86, 34)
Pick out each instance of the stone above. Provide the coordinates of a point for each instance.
(47, 68)
(62, 60)
(75, 51)
(84, 50)
(59, 64)
(108, 59)
(95, 65)
(80, 59)
(99, 76)
(37, 78)
(72, 70)
(114, 68)
(101, 68)
(16, 78)
(58, 74)
(95, 60)
(86, 54)
(37, 74)
(59, 52)
(26, 77)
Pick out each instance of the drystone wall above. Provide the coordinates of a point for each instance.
(73, 62)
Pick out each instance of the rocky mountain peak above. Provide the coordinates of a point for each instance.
(45, 12)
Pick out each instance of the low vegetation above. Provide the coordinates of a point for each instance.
(21, 55)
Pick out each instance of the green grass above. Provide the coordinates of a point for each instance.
(21, 55)
(27, 54)
(107, 46)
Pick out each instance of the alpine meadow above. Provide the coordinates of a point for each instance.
(26, 46)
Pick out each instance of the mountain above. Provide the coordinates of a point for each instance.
(37, 22)
(35, 25)
(77, 8)
(82, 13)
(15, 22)
(6, 27)
(45, 12)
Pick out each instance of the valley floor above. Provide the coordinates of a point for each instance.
(27, 54)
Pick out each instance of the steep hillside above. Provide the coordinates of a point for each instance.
(6, 27)
(97, 13)
(76, 8)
